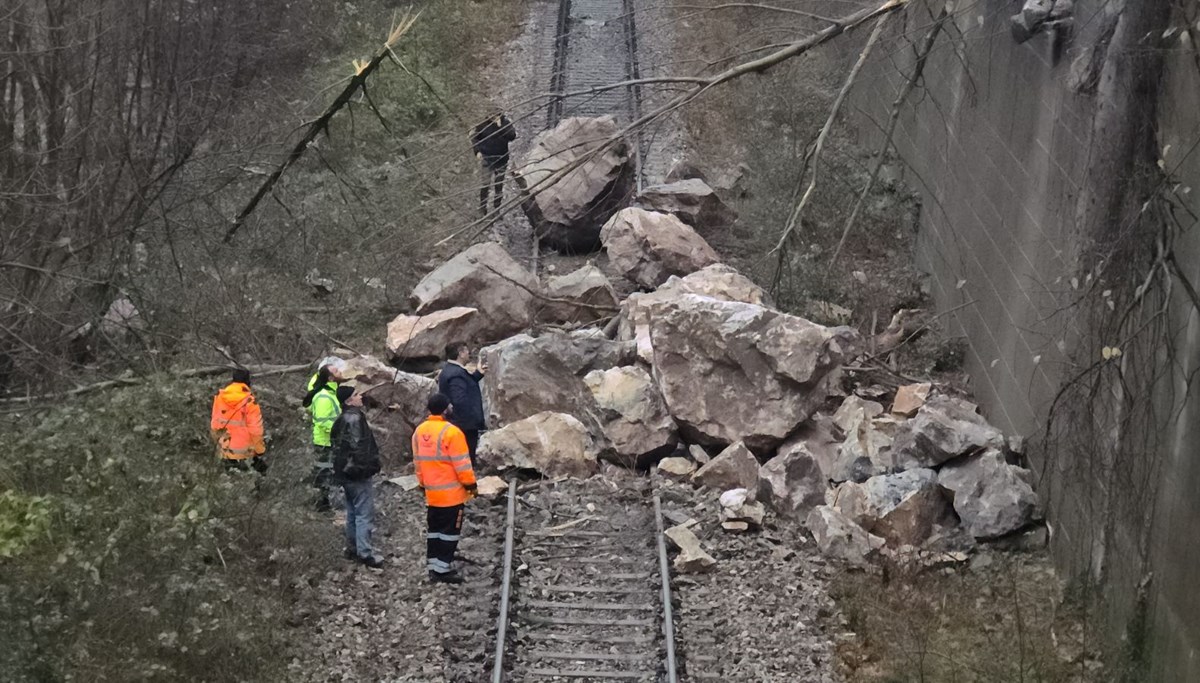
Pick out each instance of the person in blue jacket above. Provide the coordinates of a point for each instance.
(462, 386)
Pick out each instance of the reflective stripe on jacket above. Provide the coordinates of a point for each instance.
(325, 410)
(443, 462)
(236, 423)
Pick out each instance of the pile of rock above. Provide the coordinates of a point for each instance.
(705, 380)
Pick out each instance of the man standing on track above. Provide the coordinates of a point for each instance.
(490, 141)
(443, 467)
(461, 386)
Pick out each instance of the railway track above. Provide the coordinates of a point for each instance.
(586, 598)
(596, 45)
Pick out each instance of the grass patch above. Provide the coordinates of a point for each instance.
(1006, 622)
(128, 554)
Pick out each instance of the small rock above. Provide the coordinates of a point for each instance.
(734, 468)
(837, 536)
(492, 486)
(691, 559)
(737, 505)
(676, 468)
(910, 398)
(698, 454)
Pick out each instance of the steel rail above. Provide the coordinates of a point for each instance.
(665, 574)
(506, 584)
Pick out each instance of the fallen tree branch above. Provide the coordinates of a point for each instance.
(917, 332)
(207, 371)
(553, 299)
(321, 124)
(914, 78)
(798, 213)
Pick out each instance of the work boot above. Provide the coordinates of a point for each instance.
(447, 577)
(350, 554)
(372, 561)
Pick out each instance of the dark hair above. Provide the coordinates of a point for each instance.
(241, 375)
(344, 393)
(318, 385)
(437, 404)
(453, 349)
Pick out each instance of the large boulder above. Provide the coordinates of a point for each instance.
(717, 281)
(486, 278)
(815, 439)
(903, 508)
(991, 496)
(424, 337)
(839, 537)
(943, 428)
(691, 201)
(634, 416)
(791, 483)
(739, 372)
(650, 247)
(734, 468)
(395, 407)
(554, 444)
(528, 375)
(582, 296)
(567, 215)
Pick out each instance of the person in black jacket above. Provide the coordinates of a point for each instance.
(355, 462)
(462, 386)
(490, 141)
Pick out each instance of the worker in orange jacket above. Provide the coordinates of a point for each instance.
(443, 466)
(237, 426)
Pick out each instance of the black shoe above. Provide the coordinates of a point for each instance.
(350, 555)
(447, 577)
(372, 562)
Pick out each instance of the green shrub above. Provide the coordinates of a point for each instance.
(128, 553)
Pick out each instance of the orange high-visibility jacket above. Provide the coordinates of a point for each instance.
(237, 423)
(443, 462)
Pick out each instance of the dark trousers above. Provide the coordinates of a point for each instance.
(322, 476)
(492, 177)
(256, 463)
(472, 443)
(445, 530)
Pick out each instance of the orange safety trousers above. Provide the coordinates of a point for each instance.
(236, 423)
(443, 462)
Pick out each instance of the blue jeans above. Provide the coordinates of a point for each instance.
(360, 511)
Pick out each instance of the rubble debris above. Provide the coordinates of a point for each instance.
(649, 247)
(567, 215)
(739, 510)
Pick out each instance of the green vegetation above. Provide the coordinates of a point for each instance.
(126, 552)
(129, 554)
